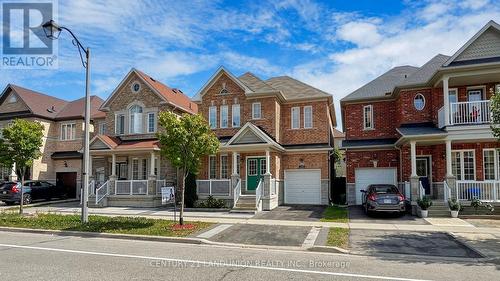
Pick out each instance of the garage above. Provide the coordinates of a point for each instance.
(366, 176)
(303, 186)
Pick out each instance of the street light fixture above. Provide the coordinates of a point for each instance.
(52, 31)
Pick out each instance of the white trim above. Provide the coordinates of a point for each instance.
(73, 134)
(264, 137)
(117, 130)
(154, 121)
(473, 88)
(312, 123)
(297, 108)
(371, 127)
(423, 97)
(495, 163)
(233, 106)
(132, 87)
(212, 79)
(260, 111)
(462, 169)
(295, 170)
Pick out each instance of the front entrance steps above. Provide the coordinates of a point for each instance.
(439, 209)
(245, 204)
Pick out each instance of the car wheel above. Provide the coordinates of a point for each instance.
(26, 199)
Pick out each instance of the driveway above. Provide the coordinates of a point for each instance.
(372, 242)
(293, 213)
(357, 215)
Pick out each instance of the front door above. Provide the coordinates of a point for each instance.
(423, 172)
(67, 182)
(256, 167)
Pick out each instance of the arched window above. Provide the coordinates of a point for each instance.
(135, 113)
(419, 102)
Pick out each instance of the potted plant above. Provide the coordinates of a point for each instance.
(424, 203)
(454, 207)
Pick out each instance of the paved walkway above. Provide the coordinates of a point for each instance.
(435, 224)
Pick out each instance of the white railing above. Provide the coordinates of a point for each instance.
(236, 192)
(91, 188)
(101, 192)
(447, 191)
(159, 184)
(131, 187)
(221, 187)
(421, 190)
(441, 121)
(258, 194)
(482, 190)
(470, 112)
(405, 189)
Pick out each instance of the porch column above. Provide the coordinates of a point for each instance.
(13, 175)
(446, 102)
(113, 165)
(268, 162)
(152, 164)
(450, 178)
(112, 178)
(413, 153)
(449, 172)
(235, 163)
(152, 177)
(90, 167)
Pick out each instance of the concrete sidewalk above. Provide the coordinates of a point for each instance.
(435, 224)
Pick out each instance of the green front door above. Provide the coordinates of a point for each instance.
(256, 167)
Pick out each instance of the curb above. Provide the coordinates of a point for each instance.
(329, 249)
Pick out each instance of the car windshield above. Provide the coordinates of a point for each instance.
(381, 189)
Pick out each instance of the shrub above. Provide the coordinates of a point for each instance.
(476, 204)
(211, 202)
(454, 205)
(424, 203)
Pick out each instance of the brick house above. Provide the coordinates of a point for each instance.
(61, 162)
(126, 165)
(428, 128)
(275, 141)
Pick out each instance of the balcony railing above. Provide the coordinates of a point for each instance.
(470, 112)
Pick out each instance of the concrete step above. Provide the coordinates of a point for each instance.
(244, 205)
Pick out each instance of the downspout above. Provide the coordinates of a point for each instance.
(400, 163)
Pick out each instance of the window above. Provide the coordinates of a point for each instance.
(295, 117)
(252, 167)
(135, 169)
(151, 122)
(419, 102)
(223, 167)
(144, 169)
(256, 110)
(368, 117)
(463, 165)
(262, 166)
(102, 128)
(212, 117)
(68, 131)
(12, 99)
(236, 115)
(224, 119)
(308, 119)
(120, 124)
(136, 87)
(489, 164)
(211, 167)
(497, 88)
(452, 95)
(135, 119)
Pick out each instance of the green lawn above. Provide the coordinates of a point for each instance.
(338, 237)
(122, 225)
(335, 214)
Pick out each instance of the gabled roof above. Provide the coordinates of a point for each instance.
(116, 144)
(214, 78)
(294, 89)
(382, 85)
(255, 83)
(423, 74)
(54, 108)
(250, 134)
(484, 44)
(174, 97)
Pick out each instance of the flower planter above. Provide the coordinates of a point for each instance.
(424, 213)
(454, 214)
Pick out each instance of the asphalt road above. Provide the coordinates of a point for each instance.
(26, 256)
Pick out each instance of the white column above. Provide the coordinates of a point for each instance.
(268, 162)
(152, 164)
(113, 165)
(449, 172)
(90, 165)
(235, 163)
(413, 153)
(446, 102)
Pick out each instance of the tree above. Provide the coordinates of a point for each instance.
(184, 140)
(495, 114)
(21, 144)
(337, 157)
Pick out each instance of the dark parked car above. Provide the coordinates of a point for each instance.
(383, 198)
(10, 192)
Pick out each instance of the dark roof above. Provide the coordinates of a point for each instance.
(294, 89)
(76, 108)
(419, 129)
(67, 155)
(425, 72)
(382, 85)
(474, 61)
(255, 83)
(368, 142)
(307, 146)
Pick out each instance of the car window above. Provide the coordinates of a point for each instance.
(381, 189)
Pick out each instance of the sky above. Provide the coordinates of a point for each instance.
(336, 46)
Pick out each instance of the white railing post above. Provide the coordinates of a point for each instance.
(495, 193)
(210, 187)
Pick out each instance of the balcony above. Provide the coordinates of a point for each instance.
(466, 113)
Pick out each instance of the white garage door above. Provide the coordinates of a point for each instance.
(366, 176)
(303, 186)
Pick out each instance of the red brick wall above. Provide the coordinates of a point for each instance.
(311, 161)
(407, 111)
(384, 114)
(363, 159)
(318, 134)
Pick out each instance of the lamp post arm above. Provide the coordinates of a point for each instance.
(79, 45)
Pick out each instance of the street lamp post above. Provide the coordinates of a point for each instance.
(52, 31)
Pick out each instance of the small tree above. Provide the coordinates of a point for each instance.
(184, 141)
(337, 157)
(21, 144)
(495, 114)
